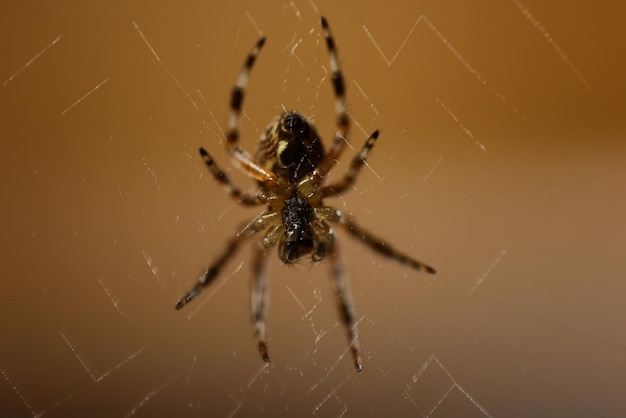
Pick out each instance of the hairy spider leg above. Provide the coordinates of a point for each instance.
(345, 304)
(355, 167)
(249, 230)
(259, 299)
(242, 159)
(333, 215)
(382, 247)
(231, 188)
(343, 122)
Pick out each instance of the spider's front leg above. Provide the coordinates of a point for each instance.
(327, 248)
(249, 230)
(345, 304)
(212, 272)
(259, 299)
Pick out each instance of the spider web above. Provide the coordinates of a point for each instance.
(500, 162)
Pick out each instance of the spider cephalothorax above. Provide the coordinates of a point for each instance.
(299, 238)
(290, 166)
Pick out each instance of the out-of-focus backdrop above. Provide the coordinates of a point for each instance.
(501, 162)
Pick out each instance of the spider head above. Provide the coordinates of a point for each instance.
(299, 237)
(298, 147)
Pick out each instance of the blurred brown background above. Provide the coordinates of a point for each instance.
(501, 162)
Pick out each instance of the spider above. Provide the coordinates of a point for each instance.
(290, 167)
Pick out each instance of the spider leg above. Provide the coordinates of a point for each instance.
(231, 248)
(259, 300)
(222, 178)
(346, 307)
(343, 122)
(381, 246)
(240, 156)
(352, 173)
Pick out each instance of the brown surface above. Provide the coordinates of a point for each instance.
(501, 161)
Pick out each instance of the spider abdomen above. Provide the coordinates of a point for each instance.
(290, 147)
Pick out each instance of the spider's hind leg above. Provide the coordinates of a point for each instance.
(350, 176)
(237, 95)
(231, 188)
(241, 158)
(339, 90)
